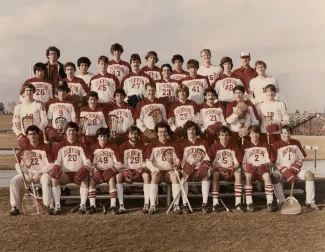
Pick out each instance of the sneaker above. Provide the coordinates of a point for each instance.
(250, 207)
(152, 210)
(65, 191)
(216, 208)
(38, 191)
(177, 209)
(145, 208)
(48, 210)
(240, 208)
(57, 210)
(205, 209)
(186, 209)
(82, 209)
(121, 209)
(271, 207)
(313, 206)
(14, 211)
(113, 210)
(91, 210)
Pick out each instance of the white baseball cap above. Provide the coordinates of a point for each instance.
(245, 54)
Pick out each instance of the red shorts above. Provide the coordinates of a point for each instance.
(71, 176)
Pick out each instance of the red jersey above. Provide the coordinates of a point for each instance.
(133, 157)
(105, 157)
(223, 156)
(119, 69)
(189, 150)
(245, 74)
(154, 73)
(105, 86)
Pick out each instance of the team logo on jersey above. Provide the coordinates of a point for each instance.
(223, 154)
(289, 150)
(71, 150)
(40, 86)
(60, 107)
(256, 152)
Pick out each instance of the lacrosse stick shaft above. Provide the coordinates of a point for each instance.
(34, 192)
(73, 210)
(24, 179)
(224, 205)
(291, 192)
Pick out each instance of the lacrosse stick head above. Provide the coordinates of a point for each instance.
(156, 115)
(291, 206)
(83, 124)
(26, 122)
(113, 121)
(196, 156)
(30, 205)
(60, 124)
(27, 157)
(168, 155)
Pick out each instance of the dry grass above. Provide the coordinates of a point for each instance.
(313, 141)
(5, 122)
(8, 140)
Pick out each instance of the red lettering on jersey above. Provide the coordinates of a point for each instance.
(288, 150)
(180, 110)
(137, 80)
(132, 153)
(226, 82)
(116, 68)
(71, 150)
(93, 116)
(150, 108)
(192, 150)
(106, 154)
(194, 83)
(212, 112)
(60, 107)
(223, 154)
(256, 152)
(39, 85)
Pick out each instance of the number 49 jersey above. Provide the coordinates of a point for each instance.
(105, 157)
(133, 156)
(223, 156)
(255, 154)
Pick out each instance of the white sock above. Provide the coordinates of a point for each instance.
(56, 191)
(113, 195)
(248, 194)
(119, 189)
(153, 190)
(238, 193)
(215, 198)
(269, 193)
(185, 186)
(92, 197)
(46, 188)
(205, 191)
(310, 192)
(176, 194)
(146, 193)
(15, 183)
(83, 195)
(278, 191)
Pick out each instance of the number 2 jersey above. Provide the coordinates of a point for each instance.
(223, 156)
(255, 154)
(105, 157)
(133, 156)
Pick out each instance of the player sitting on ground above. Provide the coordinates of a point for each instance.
(91, 119)
(120, 117)
(26, 113)
(255, 157)
(245, 72)
(256, 91)
(104, 83)
(134, 82)
(151, 69)
(195, 163)
(195, 83)
(84, 63)
(166, 86)
(207, 69)
(132, 154)
(116, 66)
(273, 115)
(44, 89)
(289, 156)
(72, 165)
(211, 116)
(105, 164)
(178, 73)
(42, 161)
(163, 159)
(149, 112)
(181, 111)
(223, 156)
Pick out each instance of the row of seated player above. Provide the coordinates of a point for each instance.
(163, 160)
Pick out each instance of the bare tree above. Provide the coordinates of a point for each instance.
(11, 106)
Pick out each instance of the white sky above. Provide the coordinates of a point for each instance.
(289, 35)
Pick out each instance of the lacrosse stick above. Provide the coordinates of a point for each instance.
(291, 205)
(26, 121)
(30, 204)
(60, 123)
(156, 116)
(242, 125)
(113, 121)
(83, 124)
(168, 156)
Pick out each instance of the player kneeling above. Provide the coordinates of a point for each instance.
(72, 165)
(106, 162)
(289, 158)
(223, 156)
(132, 153)
(162, 159)
(39, 156)
(255, 157)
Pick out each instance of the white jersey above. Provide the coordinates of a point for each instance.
(210, 115)
(272, 112)
(43, 89)
(35, 111)
(166, 88)
(119, 69)
(105, 157)
(67, 109)
(96, 120)
(224, 86)
(288, 153)
(257, 86)
(212, 72)
(196, 87)
(86, 77)
(121, 116)
(105, 86)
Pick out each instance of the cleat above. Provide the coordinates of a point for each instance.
(48, 210)
(14, 211)
(91, 210)
(82, 209)
(313, 206)
(113, 210)
(271, 207)
(177, 209)
(250, 208)
(57, 210)
(121, 209)
(240, 208)
(186, 209)
(145, 208)
(216, 208)
(152, 210)
(205, 209)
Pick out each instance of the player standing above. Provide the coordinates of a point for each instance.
(116, 66)
(55, 69)
(179, 72)
(195, 83)
(166, 86)
(42, 158)
(207, 69)
(289, 156)
(44, 89)
(161, 169)
(151, 69)
(132, 154)
(256, 91)
(84, 63)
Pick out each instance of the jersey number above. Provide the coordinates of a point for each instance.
(72, 157)
(257, 158)
(134, 160)
(229, 87)
(196, 89)
(102, 160)
(40, 91)
(166, 92)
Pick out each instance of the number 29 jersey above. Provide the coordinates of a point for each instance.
(132, 156)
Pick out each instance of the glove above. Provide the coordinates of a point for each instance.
(273, 127)
(243, 132)
(261, 169)
(214, 128)
(203, 169)
(137, 173)
(150, 134)
(56, 172)
(238, 111)
(81, 174)
(97, 176)
(53, 134)
(22, 140)
(127, 174)
(288, 174)
(296, 167)
(109, 173)
(249, 168)
(243, 106)
(226, 173)
(134, 99)
(187, 168)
